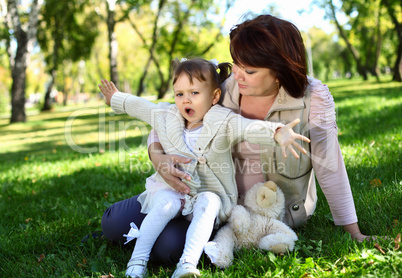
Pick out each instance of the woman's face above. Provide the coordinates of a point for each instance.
(256, 82)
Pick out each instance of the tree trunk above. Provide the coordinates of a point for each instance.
(164, 86)
(47, 105)
(140, 88)
(398, 28)
(19, 63)
(150, 48)
(398, 65)
(18, 85)
(113, 45)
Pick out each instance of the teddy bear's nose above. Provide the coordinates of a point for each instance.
(265, 197)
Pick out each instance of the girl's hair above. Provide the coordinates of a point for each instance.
(203, 70)
(269, 42)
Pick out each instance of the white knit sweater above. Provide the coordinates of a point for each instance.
(211, 167)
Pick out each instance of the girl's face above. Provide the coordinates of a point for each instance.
(256, 82)
(194, 100)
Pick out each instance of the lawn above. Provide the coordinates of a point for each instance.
(62, 169)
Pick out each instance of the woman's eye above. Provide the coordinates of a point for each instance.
(250, 72)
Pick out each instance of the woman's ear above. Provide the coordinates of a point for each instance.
(217, 96)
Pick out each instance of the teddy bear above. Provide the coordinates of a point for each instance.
(258, 223)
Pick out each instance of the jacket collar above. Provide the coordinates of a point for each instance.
(284, 101)
(174, 129)
(211, 123)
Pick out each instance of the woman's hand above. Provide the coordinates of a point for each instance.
(165, 165)
(285, 136)
(108, 90)
(354, 231)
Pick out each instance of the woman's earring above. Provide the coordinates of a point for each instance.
(280, 100)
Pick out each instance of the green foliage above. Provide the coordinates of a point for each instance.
(61, 170)
(68, 28)
(368, 29)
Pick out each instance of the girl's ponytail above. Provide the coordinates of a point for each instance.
(224, 71)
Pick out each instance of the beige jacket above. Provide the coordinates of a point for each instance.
(212, 166)
(294, 176)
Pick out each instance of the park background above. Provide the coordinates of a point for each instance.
(65, 157)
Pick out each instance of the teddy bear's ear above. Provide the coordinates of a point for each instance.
(271, 185)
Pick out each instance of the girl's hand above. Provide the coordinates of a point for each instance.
(108, 89)
(286, 137)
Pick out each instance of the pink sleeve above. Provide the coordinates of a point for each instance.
(152, 137)
(326, 155)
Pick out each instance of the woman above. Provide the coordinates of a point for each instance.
(269, 82)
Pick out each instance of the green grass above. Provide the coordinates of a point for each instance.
(62, 169)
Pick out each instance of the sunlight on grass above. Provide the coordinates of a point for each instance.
(62, 169)
(85, 130)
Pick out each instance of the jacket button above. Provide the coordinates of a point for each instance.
(202, 160)
(295, 207)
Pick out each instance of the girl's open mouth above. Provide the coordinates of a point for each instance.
(190, 112)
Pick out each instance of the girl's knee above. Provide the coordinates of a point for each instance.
(208, 201)
(167, 202)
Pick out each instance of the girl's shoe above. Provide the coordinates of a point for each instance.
(137, 269)
(186, 270)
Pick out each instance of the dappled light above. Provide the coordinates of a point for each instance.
(66, 157)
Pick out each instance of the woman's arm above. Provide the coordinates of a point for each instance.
(327, 160)
(164, 164)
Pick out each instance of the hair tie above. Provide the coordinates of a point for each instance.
(214, 62)
(183, 60)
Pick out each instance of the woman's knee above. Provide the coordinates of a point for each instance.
(117, 218)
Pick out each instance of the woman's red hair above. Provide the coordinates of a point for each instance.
(269, 42)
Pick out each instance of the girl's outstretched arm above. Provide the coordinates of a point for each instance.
(108, 89)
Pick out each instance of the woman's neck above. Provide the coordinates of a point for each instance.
(256, 107)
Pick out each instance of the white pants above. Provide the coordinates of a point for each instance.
(168, 206)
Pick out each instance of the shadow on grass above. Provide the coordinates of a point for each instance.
(82, 194)
(53, 151)
(53, 215)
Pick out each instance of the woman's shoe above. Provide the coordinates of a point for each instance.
(137, 269)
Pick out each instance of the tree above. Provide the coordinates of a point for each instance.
(151, 47)
(366, 31)
(65, 33)
(111, 19)
(326, 53)
(177, 35)
(393, 8)
(23, 28)
(362, 70)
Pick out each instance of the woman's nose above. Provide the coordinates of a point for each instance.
(238, 75)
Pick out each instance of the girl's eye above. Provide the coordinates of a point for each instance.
(179, 94)
(195, 93)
